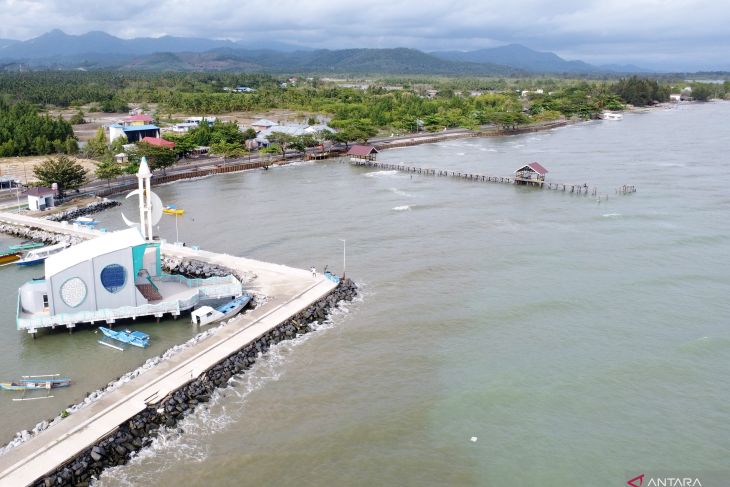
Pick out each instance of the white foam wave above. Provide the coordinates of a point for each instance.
(380, 174)
(611, 215)
(402, 208)
(461, 153)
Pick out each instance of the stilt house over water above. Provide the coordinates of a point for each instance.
(532, 174)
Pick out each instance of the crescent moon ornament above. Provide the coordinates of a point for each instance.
(156, 209)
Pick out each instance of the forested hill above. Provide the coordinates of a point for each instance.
(385, 61)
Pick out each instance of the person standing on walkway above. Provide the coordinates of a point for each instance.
(314, 271)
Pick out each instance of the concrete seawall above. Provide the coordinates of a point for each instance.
(100, 435)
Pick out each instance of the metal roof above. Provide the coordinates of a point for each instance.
(38, 191)
(136, 128)
(158, 141)
(535, 167)
(362, 150)
(87, 250)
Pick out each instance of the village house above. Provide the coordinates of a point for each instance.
(363, 152)
(262, 124)
(159, 142)
(40, 198)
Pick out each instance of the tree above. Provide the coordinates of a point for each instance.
(157, 156)
(97, 146)
(63, 170)
(282, 140)
(701, 92)
(77, 118)
(227, 149)
(108, 169)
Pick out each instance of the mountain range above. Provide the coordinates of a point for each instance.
(99, 50)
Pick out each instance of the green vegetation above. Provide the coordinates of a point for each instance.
(63, 170)
(641, 92)
(23, 132)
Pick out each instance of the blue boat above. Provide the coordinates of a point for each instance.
(34, 382)
(85, 220)
(206, 315)
(332, 277)
(136, 338)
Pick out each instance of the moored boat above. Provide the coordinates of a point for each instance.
(37, 256)
(9, 256)
(136, 338)
(35, 382)
(611, 116)
(206, 315)
(27, 245)
(173, 210)
(86, 220)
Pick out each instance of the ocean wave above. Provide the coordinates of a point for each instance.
(402, 208)
(611, 215)
(381, 174)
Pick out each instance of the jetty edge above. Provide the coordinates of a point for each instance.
(108, 431)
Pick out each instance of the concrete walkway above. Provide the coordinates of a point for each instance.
(289, 290)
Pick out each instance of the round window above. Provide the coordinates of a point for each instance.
(73, 292)
(113, 277)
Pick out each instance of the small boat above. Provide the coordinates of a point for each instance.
(611, 116)
(37, 256)
(27, 245)
(9, 256)
(332, 277)
(35, 382)
(136, 338)
(172, 210)
(206, 315)
(86, 220)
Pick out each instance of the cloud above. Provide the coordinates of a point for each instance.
(591, 29)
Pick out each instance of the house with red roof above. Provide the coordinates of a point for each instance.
(363, 152)
(532, 174)
(159, 142)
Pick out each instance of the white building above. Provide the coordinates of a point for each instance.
(40, 198)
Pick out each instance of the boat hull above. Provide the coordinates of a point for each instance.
(8, 258)
(25, 263)
(136, 338)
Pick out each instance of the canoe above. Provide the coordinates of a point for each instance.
(136, 338)
(8, 257)
(35, 383)
(171, 210)
(26, 246)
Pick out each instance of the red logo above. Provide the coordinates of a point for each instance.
(636, 481)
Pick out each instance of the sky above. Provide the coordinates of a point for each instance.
(677, 34)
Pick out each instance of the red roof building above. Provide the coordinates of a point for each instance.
(159, 142)
(532, 172)
(363, 152)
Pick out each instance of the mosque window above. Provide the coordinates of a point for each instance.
(113, 277)
(73, 292)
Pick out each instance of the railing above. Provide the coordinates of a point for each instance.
(212, 287)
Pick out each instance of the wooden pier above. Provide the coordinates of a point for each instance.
(583, 189)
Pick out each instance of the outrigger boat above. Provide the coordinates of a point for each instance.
(173, 210)
(36, 256)
(27, 245)
(206, 315)
(35, 383)
(9, 256)
(136, 338)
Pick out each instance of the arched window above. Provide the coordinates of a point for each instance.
(113, 278)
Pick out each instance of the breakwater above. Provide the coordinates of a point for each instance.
(91, 208)
(37, 234)
(139, 431)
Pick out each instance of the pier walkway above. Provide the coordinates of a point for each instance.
(289, 291)
(483, 178)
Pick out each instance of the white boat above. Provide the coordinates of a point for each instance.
(611, 116)
(86, 220)
(36, 256)
(206, 315)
